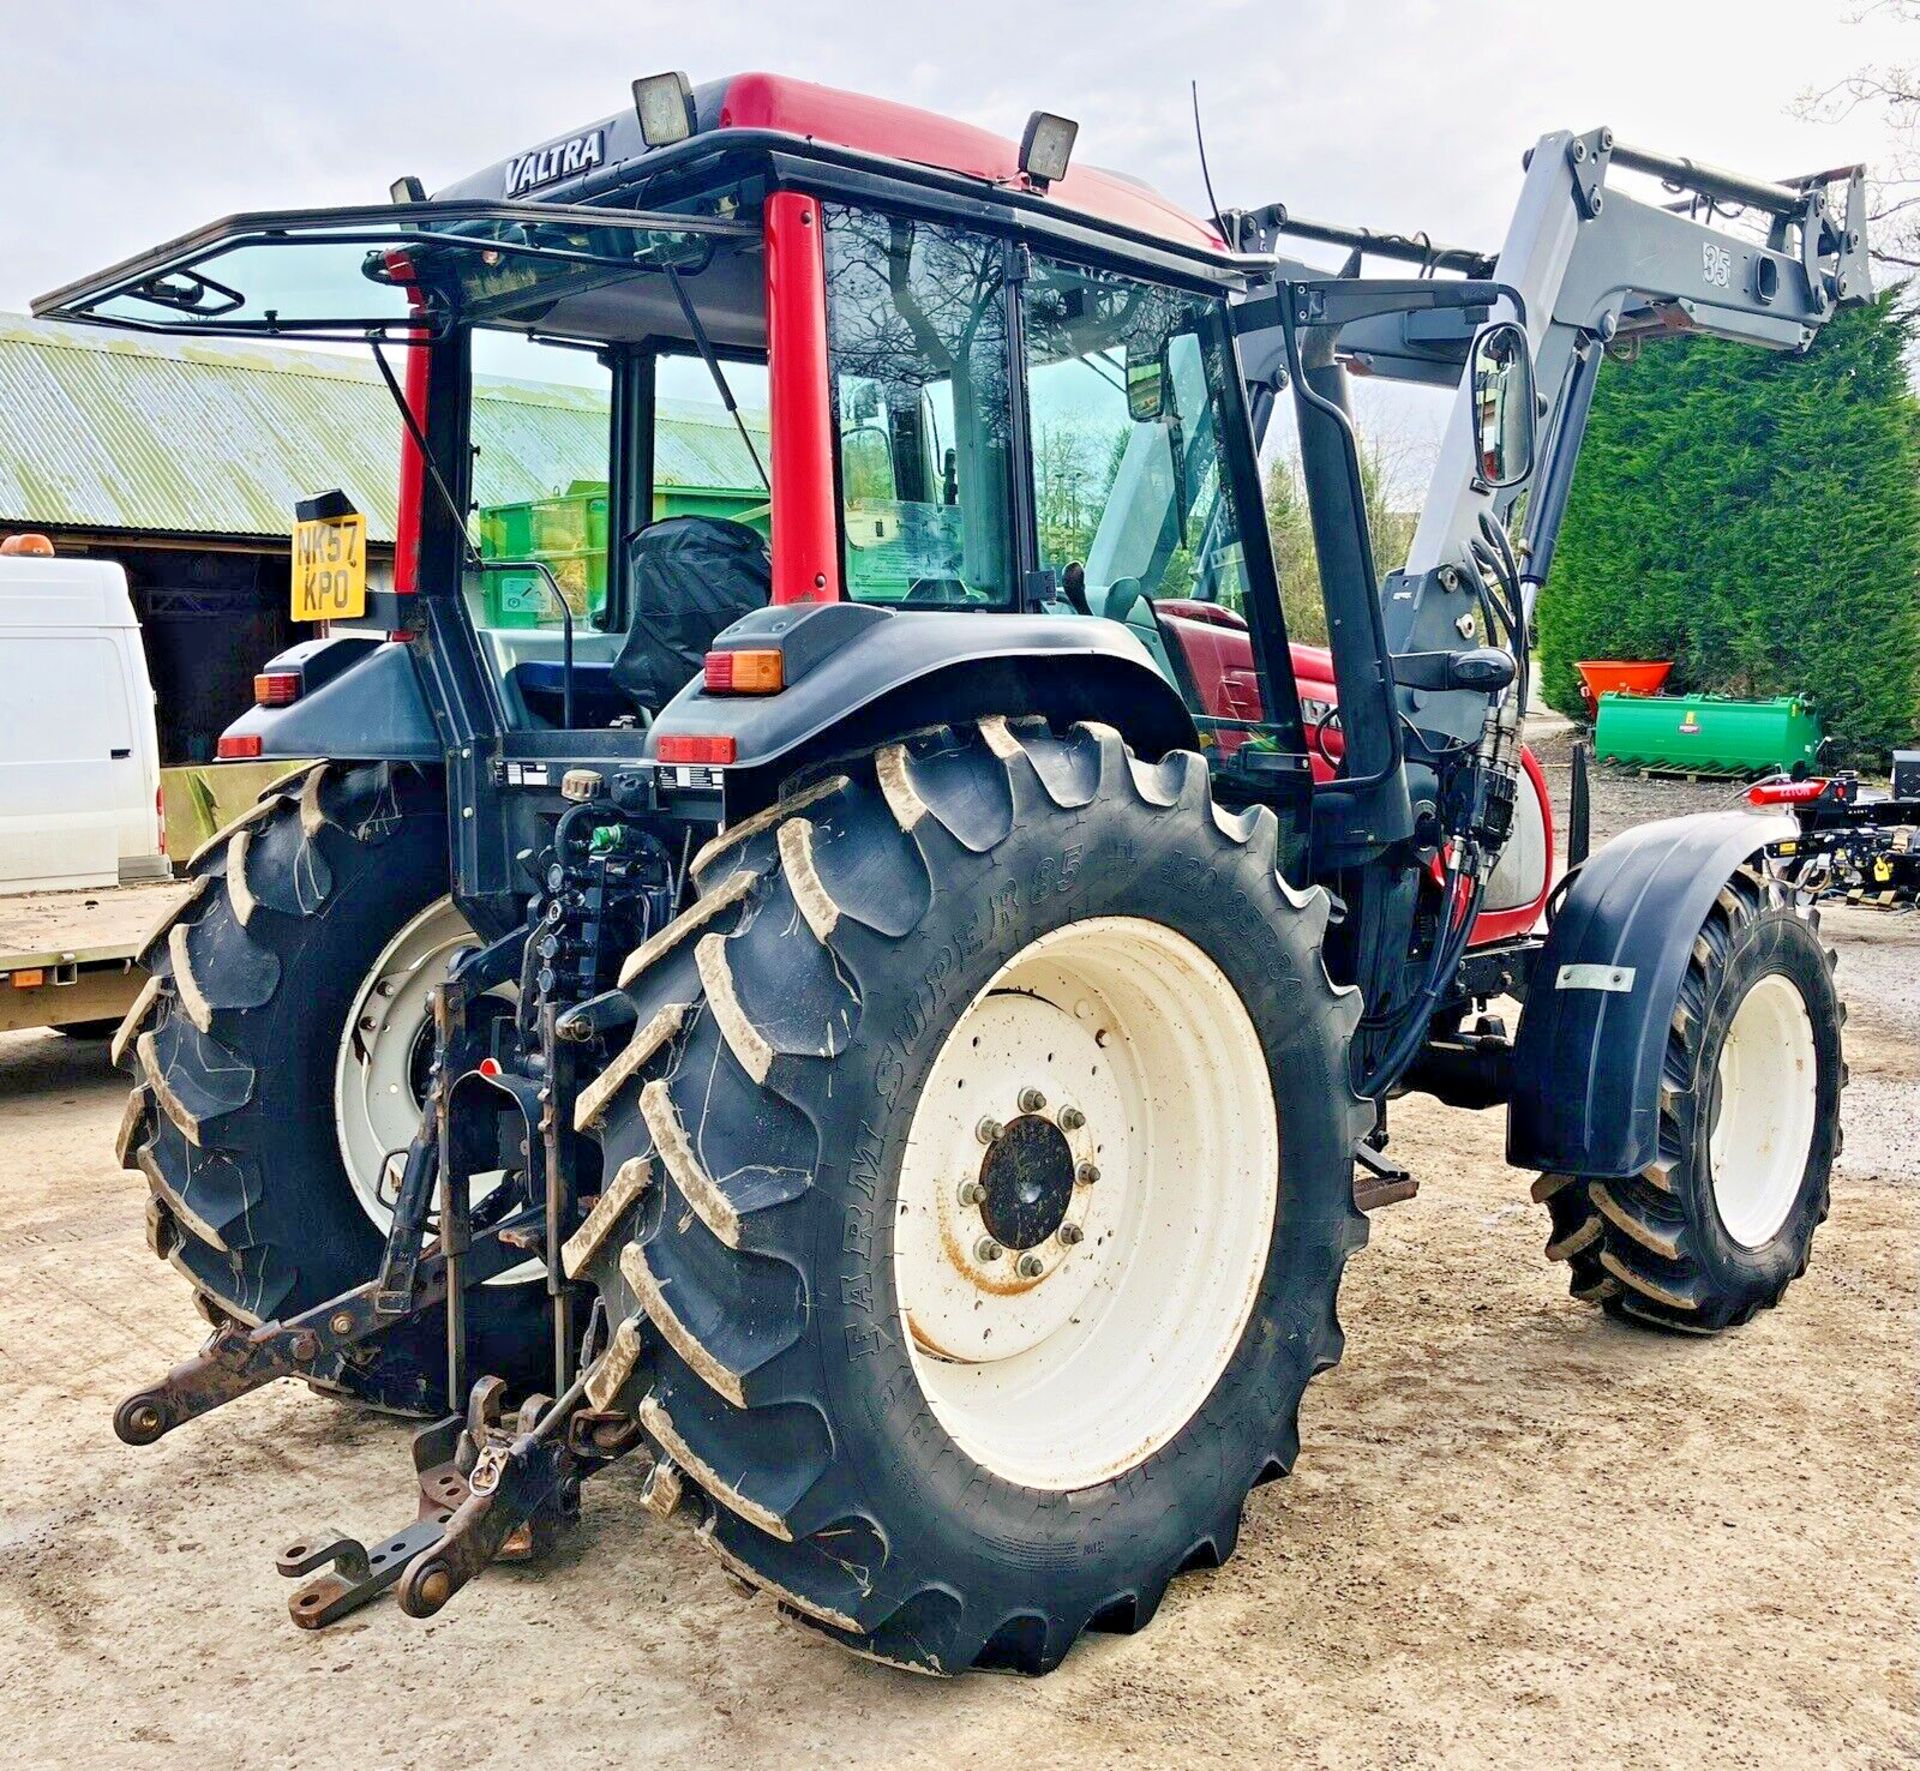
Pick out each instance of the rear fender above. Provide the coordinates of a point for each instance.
(858, 675)
(1586, 1070)
(371, 710)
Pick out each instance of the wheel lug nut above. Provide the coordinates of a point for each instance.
(1032, 1100)
(1071, 1119)
(1085, 1174)
(987, 1250)
(1030, 1266)
(1069, 1234)
(972, 1192)
(987, 1130)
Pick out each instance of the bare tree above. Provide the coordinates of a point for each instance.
(1893, 212)
(1385, 455)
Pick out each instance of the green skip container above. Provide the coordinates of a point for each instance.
(1707, 734)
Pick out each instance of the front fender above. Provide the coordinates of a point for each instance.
(1586, 1067)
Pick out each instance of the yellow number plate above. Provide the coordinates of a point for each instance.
(330, 569)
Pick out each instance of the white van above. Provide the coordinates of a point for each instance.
(79, 757)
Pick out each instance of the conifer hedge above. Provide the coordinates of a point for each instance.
(1754, 516)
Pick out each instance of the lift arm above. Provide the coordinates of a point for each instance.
(1592, 267)
(1595, 266)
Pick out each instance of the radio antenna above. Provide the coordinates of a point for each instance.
(1200, 142)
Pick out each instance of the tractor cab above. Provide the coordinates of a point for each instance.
(774, 346)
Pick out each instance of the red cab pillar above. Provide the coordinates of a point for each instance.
(806, 538)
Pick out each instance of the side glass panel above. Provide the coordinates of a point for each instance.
(539, 430)
(544, 494)
(1133, 491)
(917, 340)
(702, 465)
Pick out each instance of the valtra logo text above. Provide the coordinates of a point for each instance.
(527, 172)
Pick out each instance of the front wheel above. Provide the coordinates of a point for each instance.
(986, 1150)
(1722, 1222)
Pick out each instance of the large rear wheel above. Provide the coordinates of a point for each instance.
(982, 1184)
(280, 1053)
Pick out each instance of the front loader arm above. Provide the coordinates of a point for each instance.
(1589, 266)
(1594, 265)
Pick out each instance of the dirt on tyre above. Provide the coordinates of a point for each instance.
(256, 1050)
(981, 1186)
(1722, 1222)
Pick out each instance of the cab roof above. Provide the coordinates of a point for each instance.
(610, 155)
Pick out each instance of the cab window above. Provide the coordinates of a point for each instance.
(917, 340)
(1136, 512)
(540, 437)
(1128, 467)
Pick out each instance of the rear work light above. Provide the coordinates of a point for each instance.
(276, 688)
(688, 747)
(240, 748)
(745, 673)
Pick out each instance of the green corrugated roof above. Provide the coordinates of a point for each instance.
(103, 430)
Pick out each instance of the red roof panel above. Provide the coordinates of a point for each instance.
(924, 138)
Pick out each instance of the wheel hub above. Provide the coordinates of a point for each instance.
(1086, 1201)
(1027, 1181)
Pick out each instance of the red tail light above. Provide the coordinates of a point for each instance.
(160, 815)
(276, 688)
(687, 747)
(745, 673)
(243, 747)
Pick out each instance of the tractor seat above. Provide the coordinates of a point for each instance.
(690, 577)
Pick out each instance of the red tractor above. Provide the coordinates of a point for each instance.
(882, 1000)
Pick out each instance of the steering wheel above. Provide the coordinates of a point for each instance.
(946, 592)
(1123, 596)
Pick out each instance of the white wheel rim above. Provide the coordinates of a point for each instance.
(375, 1109)
(1766, 1098)
(1070, 1376)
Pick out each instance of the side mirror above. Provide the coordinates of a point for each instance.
(1502, 370)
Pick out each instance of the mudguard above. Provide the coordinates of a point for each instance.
(852, 669)
(1593, 1030)
(373, 710)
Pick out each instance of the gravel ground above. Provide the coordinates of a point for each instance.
(1517, 1533)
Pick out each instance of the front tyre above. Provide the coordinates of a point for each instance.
(985, 1148)
(1722, 1222)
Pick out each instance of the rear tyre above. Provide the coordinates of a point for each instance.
(241, 1046)
(985, 1150)
(1722, 1222)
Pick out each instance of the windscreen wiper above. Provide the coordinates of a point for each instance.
(704, 345)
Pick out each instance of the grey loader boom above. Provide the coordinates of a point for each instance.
(1586, 267)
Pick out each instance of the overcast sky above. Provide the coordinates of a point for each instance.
(126, 123)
